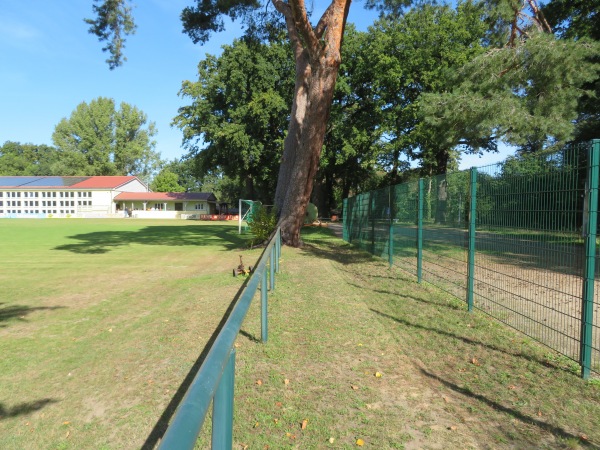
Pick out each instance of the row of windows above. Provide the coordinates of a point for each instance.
(30, 203)
(45, 194)
(37, 211)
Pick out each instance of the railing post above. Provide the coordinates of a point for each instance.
(222, 420)
(391, 218)
(278, 249)
(263, 307)
(472, 231)
(587, 310)
(420, 232)
(272, 268)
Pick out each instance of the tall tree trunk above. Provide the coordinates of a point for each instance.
(317, 52)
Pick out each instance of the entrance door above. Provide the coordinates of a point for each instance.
(178, 206)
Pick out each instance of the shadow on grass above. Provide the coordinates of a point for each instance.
(322, 243)
(162, 424)
(471, 342)
(100, 242)
(19, 312)
(556, 431)
(24, 408)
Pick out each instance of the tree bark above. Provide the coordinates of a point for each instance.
(318, 57)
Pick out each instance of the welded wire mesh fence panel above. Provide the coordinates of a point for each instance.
(529, 246)
(532, 216)
(445, 238)
(404, 205)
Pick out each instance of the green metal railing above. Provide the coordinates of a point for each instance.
(215, 378)
(516, 240)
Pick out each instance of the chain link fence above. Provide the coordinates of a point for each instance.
(516, 240)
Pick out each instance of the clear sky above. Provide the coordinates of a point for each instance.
(49, 63)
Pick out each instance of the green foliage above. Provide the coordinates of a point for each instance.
(412, 56)
(262, 225)
(28, 159)
(166, 181)
(113, 22)
(521, 95)
(98, 139)
(237, 119)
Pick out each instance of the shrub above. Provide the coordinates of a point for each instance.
(262, 225)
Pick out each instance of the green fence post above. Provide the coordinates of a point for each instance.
(372, 217)
(263, 307)
(420, 232)
(222, 420)
(587, 310)
(278, 249)
(391, 237)
(472, 230)
(272, 268)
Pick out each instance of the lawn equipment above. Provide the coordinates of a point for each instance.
(241, 269)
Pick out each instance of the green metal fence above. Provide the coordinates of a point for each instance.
(516, 240)
(214, 381)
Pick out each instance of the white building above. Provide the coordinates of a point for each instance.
(95, 196)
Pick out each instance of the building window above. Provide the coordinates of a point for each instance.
(199, 206)
(159, 206)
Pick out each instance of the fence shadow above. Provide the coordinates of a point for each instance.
(555, 430)
(469, 341)
(163, 422)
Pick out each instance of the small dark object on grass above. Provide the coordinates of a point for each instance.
(241, 269)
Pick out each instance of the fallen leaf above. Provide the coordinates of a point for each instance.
(68, 434)
(354, 387)
(286, 381)
(259, 382)
(110, 330)
(275, 421)
(278, 404)
(266, 447)
(539, 414)
(244, 446)
(304, 424)
(445, 399)
(453, 428)
(331, 440)
(237, 345)
(256, 425)
(512, 387)
(66, 423)
(290, 435)
(475, 361)
(583, 437)
(378, 374)
(360, 442)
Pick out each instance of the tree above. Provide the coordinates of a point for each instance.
(317, 56)
(236, 122)
(27, 159)
(97, 139)
(166, 181)
(524, 93)
(414, 55)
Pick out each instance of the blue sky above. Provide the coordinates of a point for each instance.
(49, 64)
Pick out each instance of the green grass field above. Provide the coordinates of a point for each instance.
(102, 323)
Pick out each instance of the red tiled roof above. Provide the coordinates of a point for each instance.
(103, 182)
(166, 196)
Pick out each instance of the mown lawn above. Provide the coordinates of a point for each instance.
(101, 322)
(104, 322)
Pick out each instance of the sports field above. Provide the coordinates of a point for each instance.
(101, 323)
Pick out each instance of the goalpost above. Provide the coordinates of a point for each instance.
(246, 210)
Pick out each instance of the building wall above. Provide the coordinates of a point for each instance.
(54, 201)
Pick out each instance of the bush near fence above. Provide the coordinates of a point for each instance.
(516, 240)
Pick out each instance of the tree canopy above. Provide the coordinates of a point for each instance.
(98, 139)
